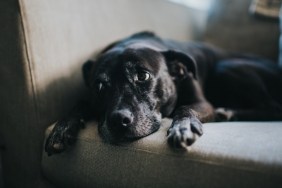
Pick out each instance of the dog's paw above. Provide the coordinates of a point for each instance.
(184, 132)
(62, 135)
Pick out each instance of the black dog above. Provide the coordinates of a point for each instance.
(138, 80)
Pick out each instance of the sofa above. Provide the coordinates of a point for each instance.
(43, 45)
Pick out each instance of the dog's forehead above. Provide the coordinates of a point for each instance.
(141, 57)
(128, 61)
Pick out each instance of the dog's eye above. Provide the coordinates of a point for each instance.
(142, 76)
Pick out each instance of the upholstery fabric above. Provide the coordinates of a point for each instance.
(42, 47)
(227, 155)
(231, 27)
(21, 136)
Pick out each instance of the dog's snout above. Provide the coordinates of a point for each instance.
(122, 117)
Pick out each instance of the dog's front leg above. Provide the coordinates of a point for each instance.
(65, 130)
(187, 123)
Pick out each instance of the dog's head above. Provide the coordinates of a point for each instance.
(132, 88)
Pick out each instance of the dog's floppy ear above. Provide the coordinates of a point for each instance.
(180, 64)
(86, 69)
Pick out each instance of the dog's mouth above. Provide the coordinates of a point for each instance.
(112, 135)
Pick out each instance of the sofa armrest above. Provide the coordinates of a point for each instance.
(227, 155)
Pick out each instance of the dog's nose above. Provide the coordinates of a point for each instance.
(122, 117)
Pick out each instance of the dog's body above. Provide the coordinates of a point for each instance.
(138, 80)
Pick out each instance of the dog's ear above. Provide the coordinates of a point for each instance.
(180, 65)
(86, 69)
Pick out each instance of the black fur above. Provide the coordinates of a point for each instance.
(136, 81)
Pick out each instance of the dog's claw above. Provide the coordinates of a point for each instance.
(58, 146)
(184, 132)
(223, 114)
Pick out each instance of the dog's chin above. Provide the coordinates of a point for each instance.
(114, 137)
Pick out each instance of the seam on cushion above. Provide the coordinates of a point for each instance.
(28, 63)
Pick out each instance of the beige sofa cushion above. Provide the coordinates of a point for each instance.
(227, 155)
